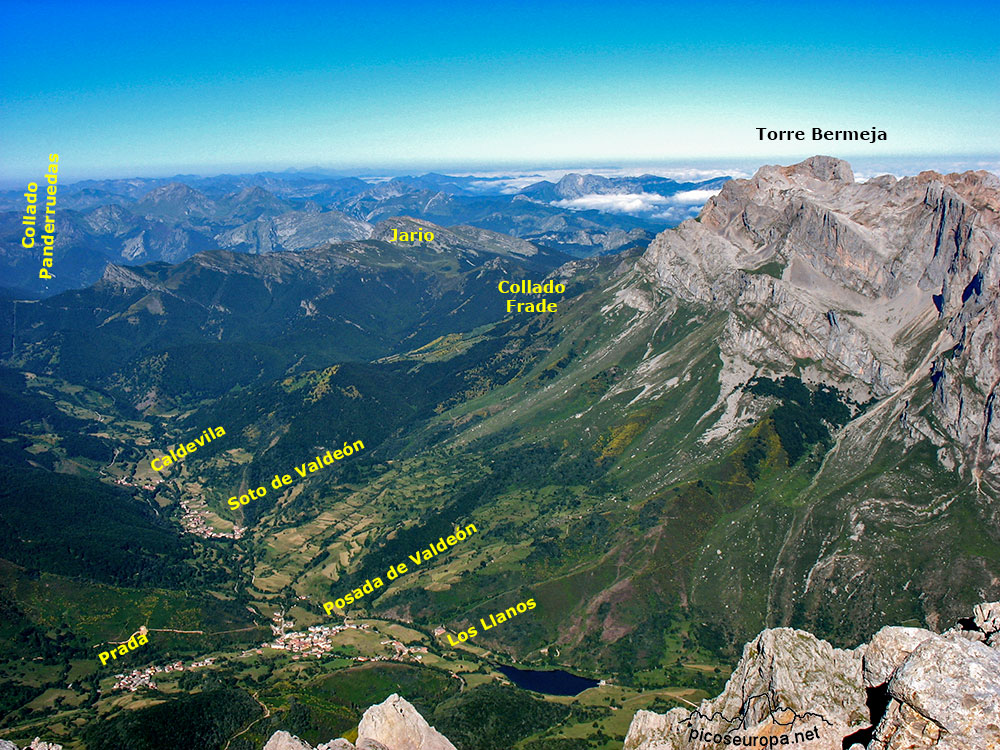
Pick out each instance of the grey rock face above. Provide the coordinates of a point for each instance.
(887, 650)
(986, 616)
(787, 681)
(285, 741)
(946, 695)
(111, 220)
(294, 230)
(943, 690)
(393, 724)
(872, 281)
(399, 726)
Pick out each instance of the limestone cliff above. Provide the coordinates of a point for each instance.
(36, 744)
(873, 285)
(393, 724)
(908, 688)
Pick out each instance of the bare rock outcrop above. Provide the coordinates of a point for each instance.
(339, 744)
(878, 283)
(788, 683)
(399, 726)
(986, 617)
(393, 724)
(945, 695)
(888, 649)
(931, 692)
(284, 741)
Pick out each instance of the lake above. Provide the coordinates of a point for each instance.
(550, 682)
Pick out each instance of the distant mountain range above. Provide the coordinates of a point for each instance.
(352, 300)
(781, 414)
(135, 221)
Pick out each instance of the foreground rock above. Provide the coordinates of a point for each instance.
(789, 685)
(946, 694)
(908, 689)
(393, 724)
(399, 726)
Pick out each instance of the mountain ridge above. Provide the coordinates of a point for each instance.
(141, 220)
(734, 430)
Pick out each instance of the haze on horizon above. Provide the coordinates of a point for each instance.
(167, 88)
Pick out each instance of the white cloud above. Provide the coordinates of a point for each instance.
(616, 203)
(511, 181)
(669, 208)
(508, 184)
(693, 197)
(677, 214)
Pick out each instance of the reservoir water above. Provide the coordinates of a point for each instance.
(550, 682)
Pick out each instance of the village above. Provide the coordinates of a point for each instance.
(193, 520)
(139, 678)
(315, 641)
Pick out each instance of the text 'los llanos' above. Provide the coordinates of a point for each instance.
(496, 618)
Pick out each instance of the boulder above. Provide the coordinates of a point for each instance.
(888, 649)
(945, 695)
(393, 724)
(397, 725)
(285, 741)
(787, 682)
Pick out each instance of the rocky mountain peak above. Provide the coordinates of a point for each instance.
(399, 726)
(824, 168)
(908, 688)
(111, 219)
(393, 724)
(979, 188)
(173, 191)
(253, 193)
(125, 278)
(574, 185)
(36, 744)
(176, 201)
(872, 281)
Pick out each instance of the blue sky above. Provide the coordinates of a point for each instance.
(159, 88)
